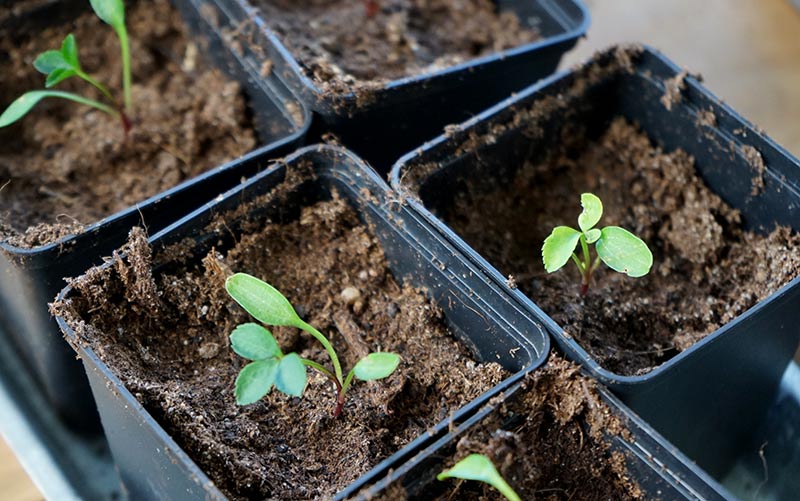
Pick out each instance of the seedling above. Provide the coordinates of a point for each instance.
(62, 64)
(269, 365)
(617, 247)
(479, 467)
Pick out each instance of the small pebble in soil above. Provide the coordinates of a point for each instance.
(392, 310)
(208, 350)
(350, 295)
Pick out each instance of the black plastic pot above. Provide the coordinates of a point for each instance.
(391, 120)
(660, 471)
(31, 277)
(709, 399)
(154, 467)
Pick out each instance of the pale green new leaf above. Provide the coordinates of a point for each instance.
(558, 247)
(291, 378)
(592, 212)
(624, 252)
(479, 467)
(262, 300)
(376, 366)
(255, 380)
(51, 60)
(254, 342)
(110, 11)
(592, 235)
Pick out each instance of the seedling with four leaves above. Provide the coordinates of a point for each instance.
(62, 64)
(479, 467)
(617, 247)
(270, 366)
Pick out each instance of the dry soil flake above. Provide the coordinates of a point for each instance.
(175, 356)
(707, 269)
(65, 165)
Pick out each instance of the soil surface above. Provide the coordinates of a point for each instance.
(550, 442)
(65, 165)
(707, 270)
(345, 42)
(167, 338)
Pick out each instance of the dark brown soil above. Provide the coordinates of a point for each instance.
(549, 443)
(167, 339)
(339, 44)
(707, 270)
(66, 165)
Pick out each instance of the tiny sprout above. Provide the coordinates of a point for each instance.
(479, 467)
(618, 248)
(270, 366)
(62, 64)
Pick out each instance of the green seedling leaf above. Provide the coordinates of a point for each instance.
(479, 467)
(262, 300)
(592, 212)
(57, 76)
(110, 11)
(25, 102)
(624, 252)
(592, 235)
(376, 366)
(69, 51)
(254, 342)
(255, 380)
(51, 60)
(291, 377)
(558, 247)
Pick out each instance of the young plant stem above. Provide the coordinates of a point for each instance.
(337, 367)
(586, 267)
(125, 50)
(371, 8)
(341, 389)
(102, 88)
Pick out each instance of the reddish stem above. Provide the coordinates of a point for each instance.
(371, 8)
(126, 123)
(585, 280)
(339, 404)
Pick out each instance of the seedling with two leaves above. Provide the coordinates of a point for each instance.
(270, 366)
(617, 247)
(62, 64)
(480, 468)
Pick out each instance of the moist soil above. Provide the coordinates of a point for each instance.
(550, 442)
(166, 337)
(345, 42)
(707, 270)
(64, 165)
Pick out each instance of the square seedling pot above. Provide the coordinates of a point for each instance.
(383, 123)
(32, 276)
(658, 469)
(153, 465)
(708, 399)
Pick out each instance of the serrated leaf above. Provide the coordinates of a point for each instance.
(291, 378)
(49, 61)
(479, 467)
(376, 366)
(558, 247)
(58, 76)
(261, 300)
(624, 252)
(254, 342)
(255, 380)
(110, 11)
(592, 235)
(592, 212)
(69, 51)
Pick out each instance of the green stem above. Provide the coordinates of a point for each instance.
(326, 372)
(501, 485)
(125, 49)
(587, 260)
(337, 367)
(595, 264)
(102, 88)
(83, 100)
(349, 380)
(578, 262)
